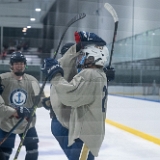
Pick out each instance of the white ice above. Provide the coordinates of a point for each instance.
(117, 145)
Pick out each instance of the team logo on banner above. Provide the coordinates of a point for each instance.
(18, 97)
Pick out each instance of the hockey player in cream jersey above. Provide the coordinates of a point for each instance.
(16, 100)
(84, 97)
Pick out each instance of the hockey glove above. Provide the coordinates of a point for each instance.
(83, 38)
(22, 112)
(51, 67)
(46, 103)
(110, 73)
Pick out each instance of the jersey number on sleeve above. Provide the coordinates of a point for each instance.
(104, 99)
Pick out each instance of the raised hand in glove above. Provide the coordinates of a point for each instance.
(110, 73)
(51, 67)
(83, 38)
(22, 112)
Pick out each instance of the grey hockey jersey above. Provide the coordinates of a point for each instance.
(16, 93)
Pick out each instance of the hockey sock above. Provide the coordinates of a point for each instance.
(31, 151)
(5, 153)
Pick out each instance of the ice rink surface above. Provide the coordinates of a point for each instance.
(117, 145)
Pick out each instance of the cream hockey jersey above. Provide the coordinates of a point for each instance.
(16, 93)
(85, 96)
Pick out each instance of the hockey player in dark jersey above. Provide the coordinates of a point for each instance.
(17, 96)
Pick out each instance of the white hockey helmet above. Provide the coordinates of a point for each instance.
(99, 55)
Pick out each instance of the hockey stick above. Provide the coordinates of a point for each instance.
(84, 152)
(111, 10)
(9, 133)
(73, 20)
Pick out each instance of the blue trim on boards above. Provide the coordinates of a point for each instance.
(139, 98)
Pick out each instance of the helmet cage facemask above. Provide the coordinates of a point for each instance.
(85, 61)
(80, 61)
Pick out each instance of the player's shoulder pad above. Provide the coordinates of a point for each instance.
(6, 75)
(30, 77)
(90, 74)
